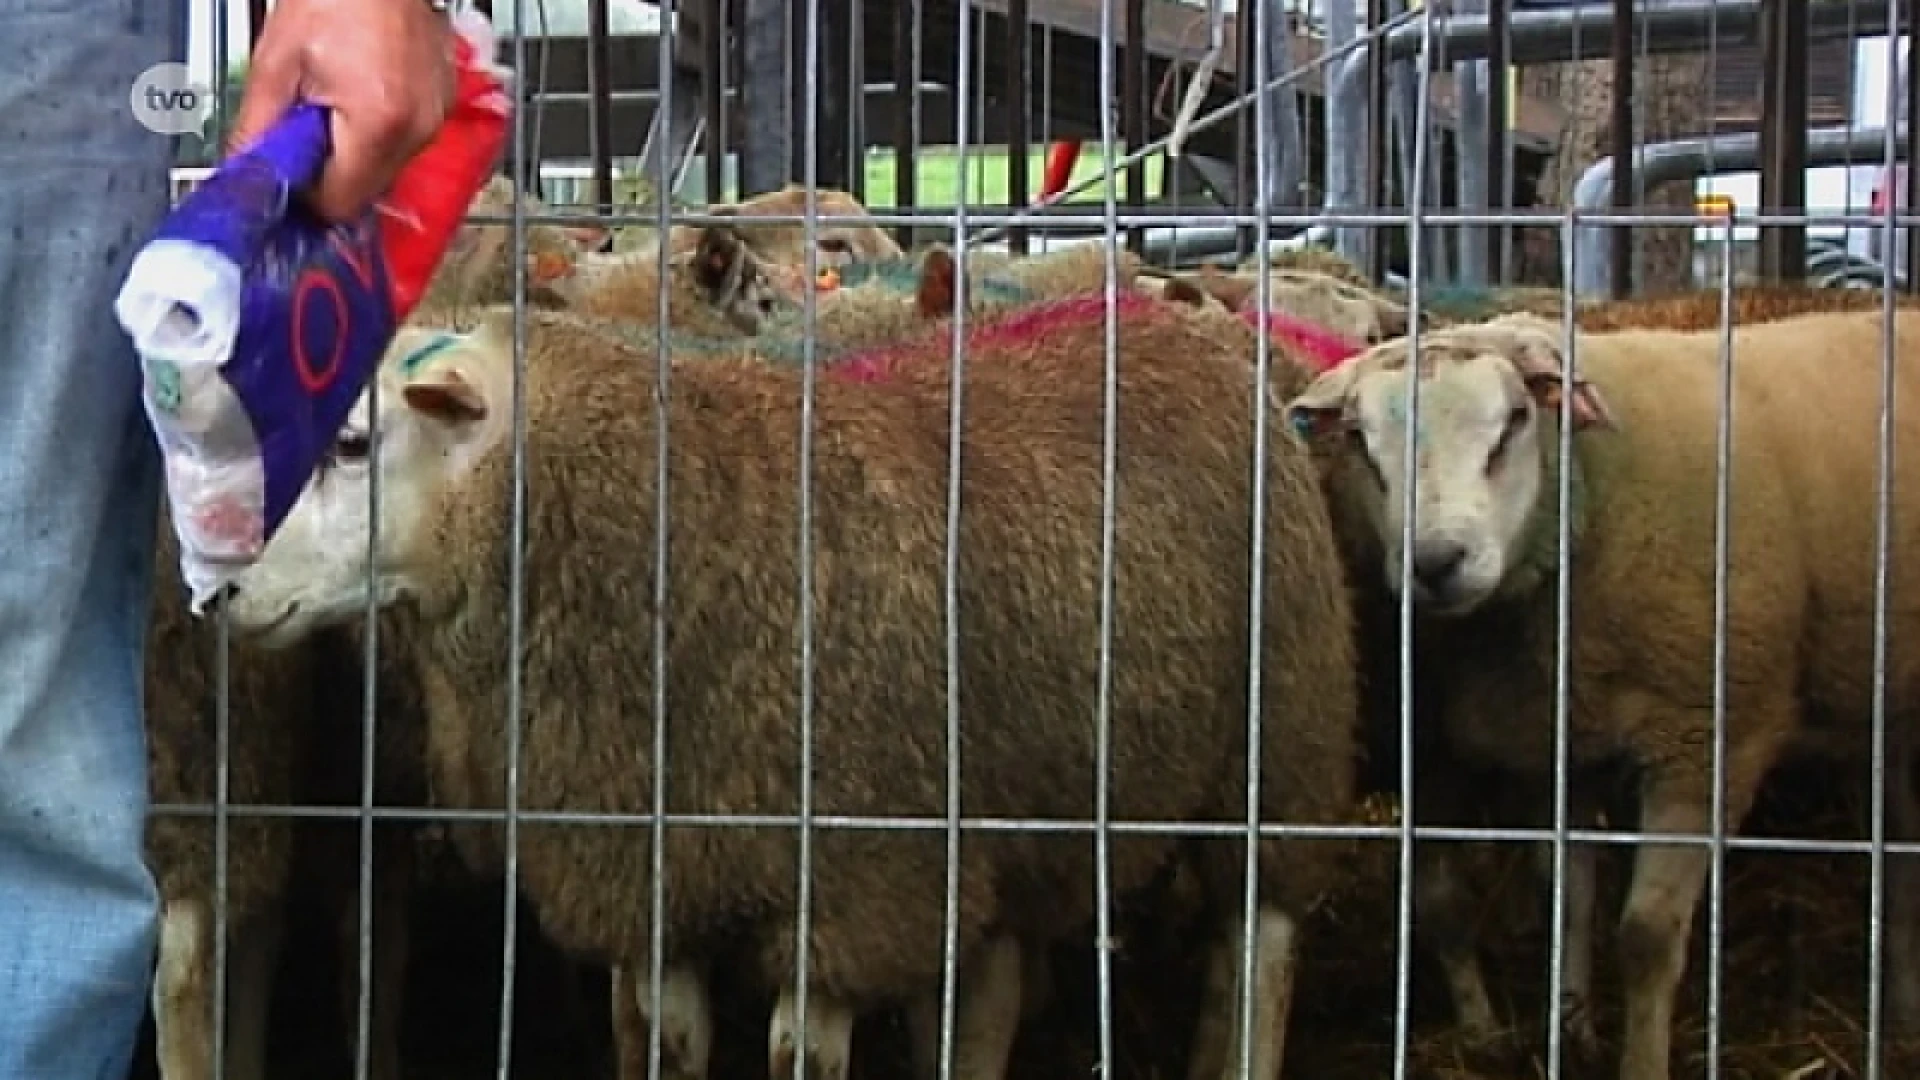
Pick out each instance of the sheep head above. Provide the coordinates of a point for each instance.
(844, 231)
(440, 409)
(1482, 439)
(732, 278)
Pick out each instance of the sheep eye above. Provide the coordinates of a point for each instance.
(1357, 442)
(837, 245)
(1516, 420)
(352, 446)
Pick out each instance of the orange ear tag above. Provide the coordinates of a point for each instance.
(827, 280)
(549, 266)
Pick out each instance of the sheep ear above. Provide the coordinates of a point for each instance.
(718, 257)
(588, 237)
(1185, 292)
(1321, 410)
(446, 397)
(1395, 318)
(933, 298)
(547, 267)
(1537, 355)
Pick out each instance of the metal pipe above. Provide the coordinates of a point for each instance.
(1283, 107)
(1499, 167)
(1661, 163)
(1543, 37)
(1345, 117)
(1472, 138)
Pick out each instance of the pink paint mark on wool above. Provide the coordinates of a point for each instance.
(1019, 329)
(1321, 348)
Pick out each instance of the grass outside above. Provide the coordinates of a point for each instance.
(938, 172)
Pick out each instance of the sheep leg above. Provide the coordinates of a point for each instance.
(686, 1022)
(1662, 896)
(988, 1005)
(828, 1039)
(255, 958)
(1216, 1051)
(1447, 912)
(392, 888)
(1903, 883)
(1036, 981)
(183, 992)
(1576, 969)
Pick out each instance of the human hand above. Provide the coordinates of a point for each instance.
(382, 68)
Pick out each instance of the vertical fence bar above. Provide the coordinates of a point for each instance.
(1416, 295)
(1620, 131)
(823, 69)
(810, 212)
(766, 112)
(1783, 137)
(1499, 167)
(714, 29)
(222, 664)
(1245, 131)
(948, 1032)
(1379, 144)
(1900, 248)
(1133, 112)
(516, 568)
(1903, 768)
(906, 110)
(1109, 495)
(1017, 104)
(600, 108)
(855, 52)
(1267, 170)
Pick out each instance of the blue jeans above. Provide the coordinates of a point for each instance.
(81, 185)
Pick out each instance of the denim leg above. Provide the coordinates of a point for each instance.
(80, 187)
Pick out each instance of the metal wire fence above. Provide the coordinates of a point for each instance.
(1449, 161)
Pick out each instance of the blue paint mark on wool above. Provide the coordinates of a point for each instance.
(418, 357)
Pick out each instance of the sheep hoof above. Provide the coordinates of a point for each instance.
(1578, 1036)
(828, 1038)
(1489, 1040)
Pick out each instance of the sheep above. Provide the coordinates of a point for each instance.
(1339, 304)
(1692, 309)
(1312, 258)
(880, 303)
(1701, 309)
(719, 289)
(1028, 589)
(843, 233)
(1645, 410)
(474, 268)
(284, 708)
(1452, 795)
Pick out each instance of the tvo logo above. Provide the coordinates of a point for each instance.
(167, 101)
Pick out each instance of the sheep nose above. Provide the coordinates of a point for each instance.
(1435, 564)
